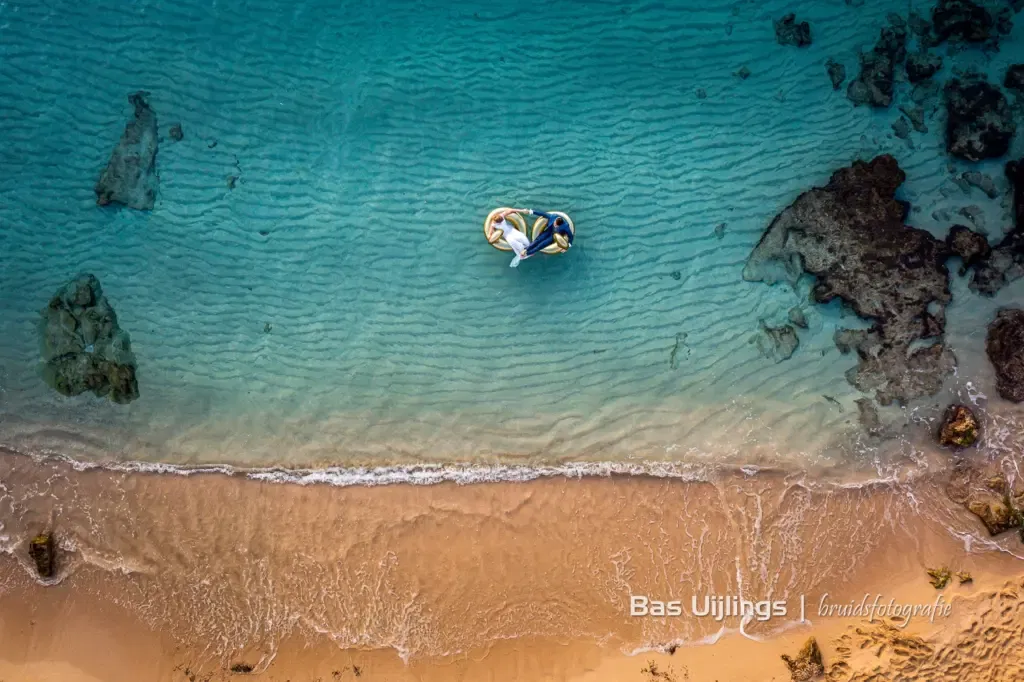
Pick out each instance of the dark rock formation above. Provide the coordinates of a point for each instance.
(789, 32)
(961, 20)
(743, 73)
(1004, 346)
(836, 73)
(987, 495)
(972, 247)
(41, 550)
(874, 84)
(83, 348)
(901, 128)
(777, 343)
(979, 121)
(130, 176)
(959, 427)
(851, 236)
(916, 117)
(176, 133)
(922, 65)
(1014, 78)
(867, 416)
(808, 665)
(1005, 262)
(920, 26)
(982, 182)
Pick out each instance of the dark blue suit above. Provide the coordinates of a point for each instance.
(547, 236)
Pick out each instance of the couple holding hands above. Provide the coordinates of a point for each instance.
(556, 235)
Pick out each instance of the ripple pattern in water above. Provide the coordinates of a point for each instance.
(339, 303)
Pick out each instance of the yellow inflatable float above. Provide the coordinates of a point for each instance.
(496, 239)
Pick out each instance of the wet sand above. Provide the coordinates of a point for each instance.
(500, 581)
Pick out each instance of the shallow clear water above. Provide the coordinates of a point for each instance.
(368, 147)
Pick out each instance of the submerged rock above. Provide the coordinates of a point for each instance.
(808, 665)
(789, 32)
(844, 234)
(836, 73)
(41, 550)
(979, 121)
(867, 416)
(972, 247)
(922, 65)
(777, 343)
(961, 20)
(874, 84)
(796, 316)
(959, 427)
(83, 349)
(1004, 263)
(1004, 346)
(901, 128)
(919, 26)
(1014, 78)
(916, 117)
(130, 176)
(982, 182)
(176, 133)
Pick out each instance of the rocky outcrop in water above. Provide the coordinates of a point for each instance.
(994, 268)
(41, 551)
(1004, 346)
(972, 247)
(922, 66)
(130, 176)
(982, 182)
(851, 236)
(789, 32)
(1014, 78)
(959, 427)
(808, 665)
(961, 20)
(777, 343)
(979, 123)
(836, 73)
(874, 85)
(83, 349)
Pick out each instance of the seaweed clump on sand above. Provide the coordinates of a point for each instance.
(850, 235)
(83, 349)
(874, 85)
(959, 427)
(989, 496)
(939, 577)
(1004, 346)
(979, 121)
(42, 551)
(808, 664)
(130, 176)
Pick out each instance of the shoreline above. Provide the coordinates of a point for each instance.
(73, 635)
(214, 570)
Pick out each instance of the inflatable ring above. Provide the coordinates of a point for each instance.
(495, 237)
(561, 244)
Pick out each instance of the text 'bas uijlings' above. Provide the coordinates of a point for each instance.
(718, 607)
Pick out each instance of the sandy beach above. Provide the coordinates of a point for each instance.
(164, 577)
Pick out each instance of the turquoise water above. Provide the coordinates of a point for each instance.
(368, 146)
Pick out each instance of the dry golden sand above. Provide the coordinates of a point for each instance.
(174, 578)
